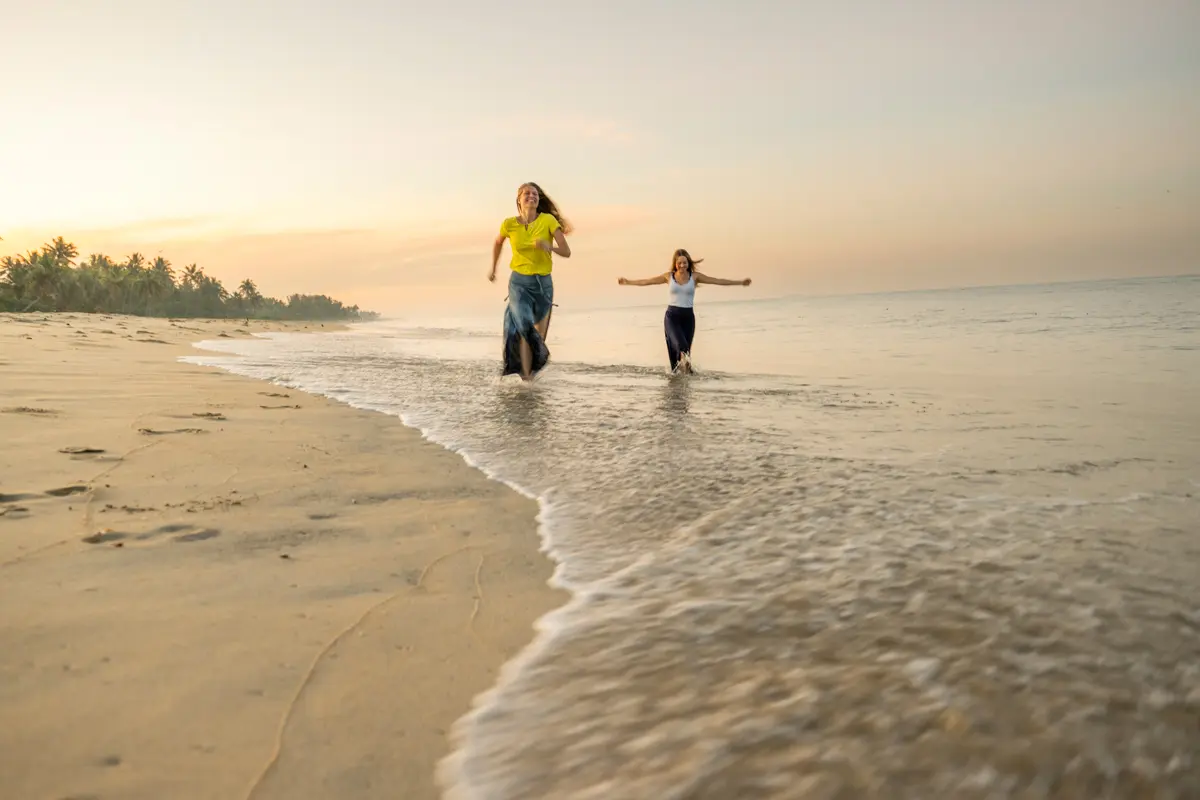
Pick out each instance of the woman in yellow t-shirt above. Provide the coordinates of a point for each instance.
(538, 231)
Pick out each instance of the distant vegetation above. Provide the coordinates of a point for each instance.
(50, 280)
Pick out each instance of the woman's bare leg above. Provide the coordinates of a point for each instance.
(526, 359)
(543, 326)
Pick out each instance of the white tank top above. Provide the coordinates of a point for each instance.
(681, 295)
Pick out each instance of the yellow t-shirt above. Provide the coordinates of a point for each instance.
(527, 257)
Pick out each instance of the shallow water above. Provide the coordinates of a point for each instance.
(933, 544)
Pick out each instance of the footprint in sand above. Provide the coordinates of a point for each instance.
(152, 432)
(162, 530)
(16, 498)
(13, 511)
(103, 536)
(65, 491)
(198, 536)
(208, 415)
(38, 412)
(273, 407)
(80, 451)
(185, 533)
(275, 394)
(128, 509)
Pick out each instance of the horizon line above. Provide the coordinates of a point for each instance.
(394, 316)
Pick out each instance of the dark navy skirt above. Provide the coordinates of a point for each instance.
(679, 325)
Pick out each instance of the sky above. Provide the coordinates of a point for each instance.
(369, 149)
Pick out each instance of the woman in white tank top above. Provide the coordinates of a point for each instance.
(679, 323)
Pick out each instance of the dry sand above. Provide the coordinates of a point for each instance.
(244, 591)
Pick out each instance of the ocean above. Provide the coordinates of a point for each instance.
(904, 545)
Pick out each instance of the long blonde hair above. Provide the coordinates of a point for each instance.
(545, 206)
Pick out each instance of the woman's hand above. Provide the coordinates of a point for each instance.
(543, 245)
(745, 281)
(623, 281)
(492, 274)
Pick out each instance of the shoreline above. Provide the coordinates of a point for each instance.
(242, 595)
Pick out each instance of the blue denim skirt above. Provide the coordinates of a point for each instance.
(530, 298)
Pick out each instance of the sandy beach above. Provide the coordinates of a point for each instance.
(213, 587)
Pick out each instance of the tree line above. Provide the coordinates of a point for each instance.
(50, 279)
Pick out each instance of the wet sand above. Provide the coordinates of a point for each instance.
(212, 587)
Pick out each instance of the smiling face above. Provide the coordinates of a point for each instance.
(681, 263)
(528, 197)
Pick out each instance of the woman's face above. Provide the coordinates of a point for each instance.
(681, 263)
(528, 196)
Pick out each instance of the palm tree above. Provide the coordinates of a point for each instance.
(48, 280)
(159, 283)
(46, 275)
(249, 292)
(98, 261)
(63, 252)
(144, 286)
(193, 276)
(112, 283)
(85, 292)
(162, 265)
(248, 296)
(16, 278)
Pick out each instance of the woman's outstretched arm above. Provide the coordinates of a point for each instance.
(644, 281)
(702, 278)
